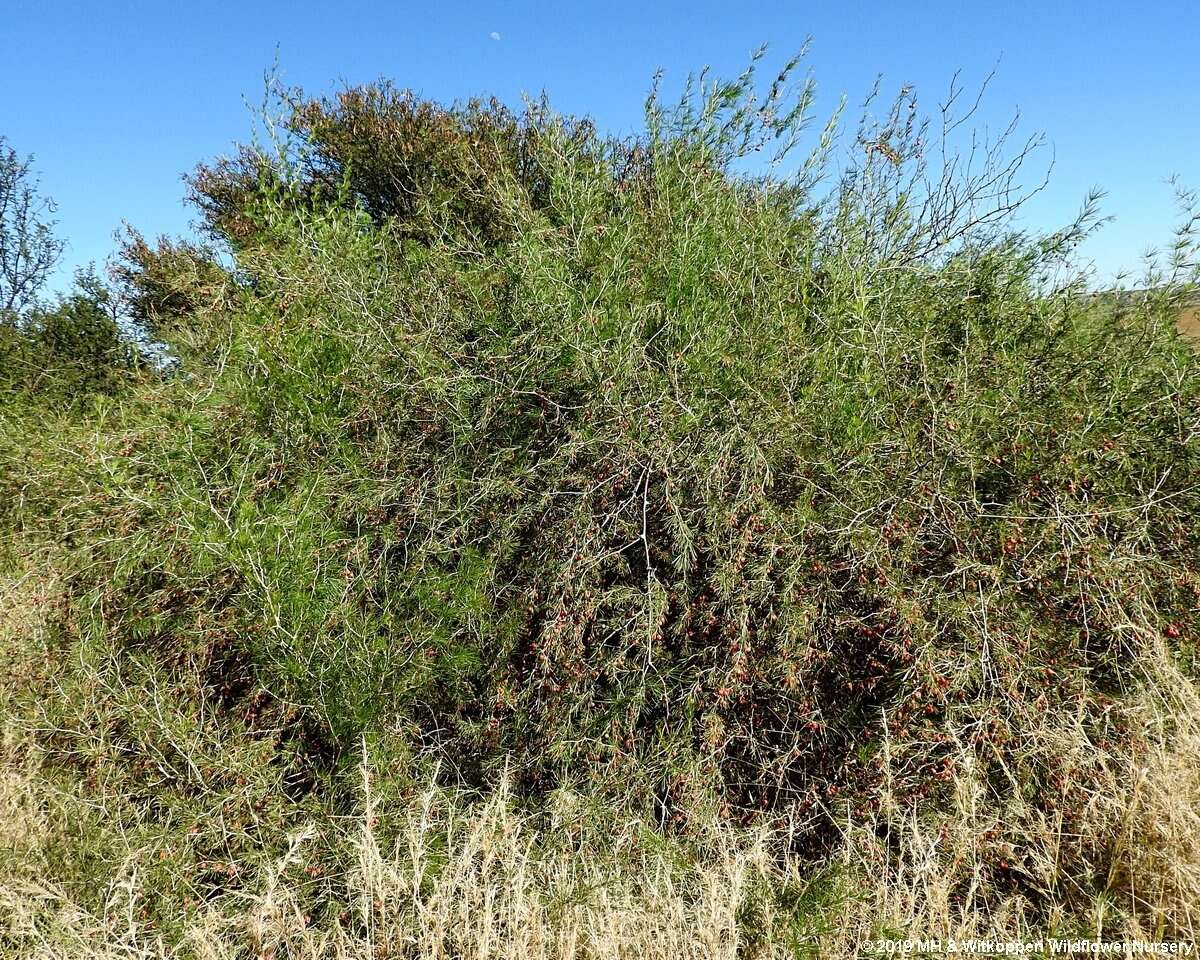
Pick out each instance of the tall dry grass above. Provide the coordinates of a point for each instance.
(1142, 819)
(459, 876)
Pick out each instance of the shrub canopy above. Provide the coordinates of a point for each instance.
(511, 444)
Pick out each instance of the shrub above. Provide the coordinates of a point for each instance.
(163, 289)
(69, 351)
(819, 503)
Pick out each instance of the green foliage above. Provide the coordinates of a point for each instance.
(67, 352)
(164, 289)
(519, 447)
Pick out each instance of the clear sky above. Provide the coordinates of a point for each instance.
(118, 99)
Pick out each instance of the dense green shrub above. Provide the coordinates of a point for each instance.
(609, 463)
(164, 289)
(425, 170)
(68, 351)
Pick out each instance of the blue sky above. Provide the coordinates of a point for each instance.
(117, 100)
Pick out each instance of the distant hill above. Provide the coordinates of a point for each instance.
(1189, 321)
(1189, 316)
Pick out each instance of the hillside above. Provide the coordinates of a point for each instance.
(547, 545)
(1189, 321)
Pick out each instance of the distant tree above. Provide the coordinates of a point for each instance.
(28, 247)
(70, 349)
